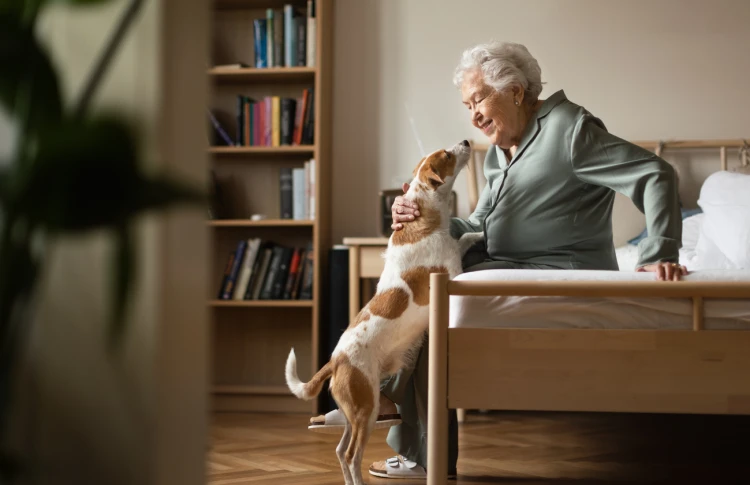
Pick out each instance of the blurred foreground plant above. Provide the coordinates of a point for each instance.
(70, 172)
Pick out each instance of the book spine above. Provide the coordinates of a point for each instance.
(299, 276)
(285, 191)
(268, 135)
(311, 32)
(251, 253)
(312, 199)
(259, 38)
(270, 26)
(306, 200)
(240, 119)
(298, 193)
(229, 287)
(289, 37)
(220, 129)
(288, 106)
(255, 272)
(302, 116)
(225, 276)
(273, 268)
(282, 274)
(262, 273)
(308, 130)
(301, 26)
(247, 140)
(278, 38)
(276, 116)
(306, 290)
(256, 125)
(293, 270)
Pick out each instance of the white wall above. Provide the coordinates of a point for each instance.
(651, 70)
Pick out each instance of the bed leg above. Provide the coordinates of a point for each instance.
(461, 415)
(437, 404)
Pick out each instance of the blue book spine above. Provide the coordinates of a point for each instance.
(220, 129)
(232, 279)
(259, 36)
(290, 36)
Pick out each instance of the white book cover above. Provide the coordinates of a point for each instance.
(247, 267)
(307, 190)
(298, 194)
(312, 189)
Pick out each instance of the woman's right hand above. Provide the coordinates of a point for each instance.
(403, 210)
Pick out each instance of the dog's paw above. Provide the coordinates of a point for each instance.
(468, 240)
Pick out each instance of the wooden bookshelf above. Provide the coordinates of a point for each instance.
(252, 338)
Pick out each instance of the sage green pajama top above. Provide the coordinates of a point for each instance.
(552, 203)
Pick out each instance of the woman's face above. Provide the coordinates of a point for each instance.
(493, 112)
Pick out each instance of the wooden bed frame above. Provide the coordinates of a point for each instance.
(694, 371)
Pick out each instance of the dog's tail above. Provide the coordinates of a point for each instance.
(305, 390)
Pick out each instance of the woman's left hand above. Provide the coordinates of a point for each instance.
(665, 271)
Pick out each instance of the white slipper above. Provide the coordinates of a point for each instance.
(398, 467)
(335, 421)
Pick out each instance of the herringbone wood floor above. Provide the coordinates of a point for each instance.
(507, 448)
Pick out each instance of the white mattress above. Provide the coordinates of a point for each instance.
(610, 313)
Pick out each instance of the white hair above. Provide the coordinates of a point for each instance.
(503, 64)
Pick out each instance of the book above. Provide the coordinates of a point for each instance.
(290, 37)
(270, 25)
(240, 120)
(308, 126)
(285, 192)
(266, 292)
(247, 139)
(307, 190)
(278, 38)
(232, 279)
(236, 65)
(288, 107)
(292, 276)
(219, 129)
(225, 276)
(298, 194)
(311, 198)
(282, 273)
(301, 115)
(300, 23)
(268, 118)
(259, 38)
(310, 32)
(257, 120)
(260, 277)
(255, 271)
(276, 119)
(251, 254)
(299, 275)
(306, 286)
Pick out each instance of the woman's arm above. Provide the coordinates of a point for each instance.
(476, 220)
(601, 158)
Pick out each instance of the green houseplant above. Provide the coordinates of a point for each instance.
(70, 171)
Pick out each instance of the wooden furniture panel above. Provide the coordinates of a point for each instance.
(252, 339)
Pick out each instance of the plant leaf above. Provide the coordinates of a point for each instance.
(29, 87)
(124, 275)
(162, 192)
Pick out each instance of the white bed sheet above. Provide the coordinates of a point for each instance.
(603, 313)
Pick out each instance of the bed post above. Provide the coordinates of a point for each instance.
(437, 404)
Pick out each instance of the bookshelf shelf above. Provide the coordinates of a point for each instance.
(282, 74)
(262, 150)
(261, 303)
(259, 390)
(263, 223)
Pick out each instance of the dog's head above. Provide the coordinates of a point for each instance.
(438, 171)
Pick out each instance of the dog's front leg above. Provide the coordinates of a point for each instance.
(341, 453)
(466, 241)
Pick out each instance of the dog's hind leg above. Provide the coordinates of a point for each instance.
(341, 453)
(361, 430)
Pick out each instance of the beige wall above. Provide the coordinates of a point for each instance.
(650, 69)
(138, 415)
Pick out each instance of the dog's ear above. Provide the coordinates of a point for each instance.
(433, 178)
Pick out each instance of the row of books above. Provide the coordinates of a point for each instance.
(271, 121)
(297, 191)
(285, 38)
(265, 270)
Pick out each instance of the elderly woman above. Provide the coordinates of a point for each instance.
(551, 182)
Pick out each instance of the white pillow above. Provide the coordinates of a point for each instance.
(724, 241)
(691, 231)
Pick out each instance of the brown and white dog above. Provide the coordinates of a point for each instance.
(386, 333)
